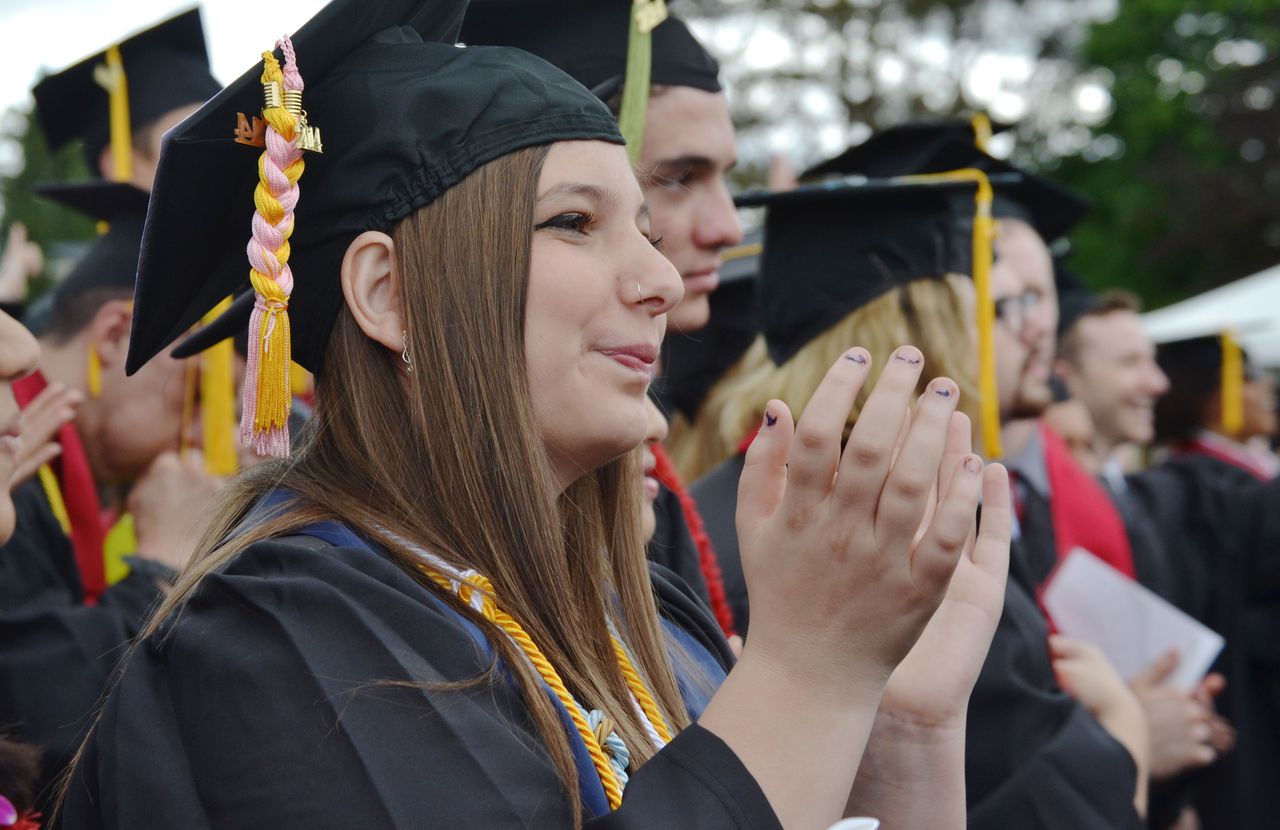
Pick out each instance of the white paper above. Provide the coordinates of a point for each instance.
(1091, 601)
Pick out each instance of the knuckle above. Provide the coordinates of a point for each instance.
(864, 454)
(909, 487)
(810, 438)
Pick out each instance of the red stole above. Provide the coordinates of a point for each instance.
(665, 472)
(1083, 514)
(79, 493)
(1226, 452)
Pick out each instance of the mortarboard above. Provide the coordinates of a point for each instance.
(1197, 368)
(829, 250)
(111, 260)
(165, 67)
(589, 40)
(832, 248)
(693, 363)
(406, 115)
(916, 149)
(904, 147)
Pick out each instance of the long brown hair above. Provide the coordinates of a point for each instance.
(927, 313)
(449, 457)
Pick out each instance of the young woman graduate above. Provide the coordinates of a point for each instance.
(883, 262)
(438, 612)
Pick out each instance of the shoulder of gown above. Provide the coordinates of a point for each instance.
(311, 685)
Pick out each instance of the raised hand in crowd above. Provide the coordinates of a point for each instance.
(48, 411)
(846, 562)
(20, 261)
(1181, 725)
(170, 507)
(1084, 672)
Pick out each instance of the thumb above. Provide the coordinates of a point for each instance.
(1159, 670)
(764, 475)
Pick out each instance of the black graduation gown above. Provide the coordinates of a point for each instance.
(56, 654)
(1222, 527)
(672, 545)
(271, 702)
(1034, 757)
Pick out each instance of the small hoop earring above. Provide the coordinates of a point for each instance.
(404, 355)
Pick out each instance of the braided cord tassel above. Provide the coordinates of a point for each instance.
(264, 424)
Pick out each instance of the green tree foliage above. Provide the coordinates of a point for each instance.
(1185, 173)
(48, 224)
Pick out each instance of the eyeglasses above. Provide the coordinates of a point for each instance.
(1014, 310)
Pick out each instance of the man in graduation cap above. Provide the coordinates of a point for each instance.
(120, 102)
(682, 142)
(70, 599)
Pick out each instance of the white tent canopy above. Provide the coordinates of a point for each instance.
(1249, 307)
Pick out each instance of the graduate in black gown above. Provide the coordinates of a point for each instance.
(883, 263)
(438, 611)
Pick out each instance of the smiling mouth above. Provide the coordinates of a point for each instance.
(639, 359)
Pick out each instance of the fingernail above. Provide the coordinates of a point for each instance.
(908, 355)
(856, 357)
(769, 418)
(942, 389)
(973, 464)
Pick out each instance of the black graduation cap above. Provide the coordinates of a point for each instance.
(166, 67)
(405, 115)
(900, 149)
(1199, 367)
(234, 323)
(936, 148)
(589, 40)
(693, 363)
(829, 250)
(111, 260)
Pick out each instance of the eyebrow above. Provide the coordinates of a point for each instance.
(591, 192)
(693, 161)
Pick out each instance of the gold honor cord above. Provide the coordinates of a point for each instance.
(645, 17)
(218, 422)
(983, 237)
(1232, 385)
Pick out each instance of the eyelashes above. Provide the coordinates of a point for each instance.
(574, 221)
(580, 223)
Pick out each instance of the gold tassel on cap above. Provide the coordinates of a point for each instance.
(984, 232)
(264, 424)
(217, 402)
(646, 15)
(1232, 385)
(110, 76)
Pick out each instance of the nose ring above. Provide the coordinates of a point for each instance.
(639, 294)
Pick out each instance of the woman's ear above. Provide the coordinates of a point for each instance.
(370, 285)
